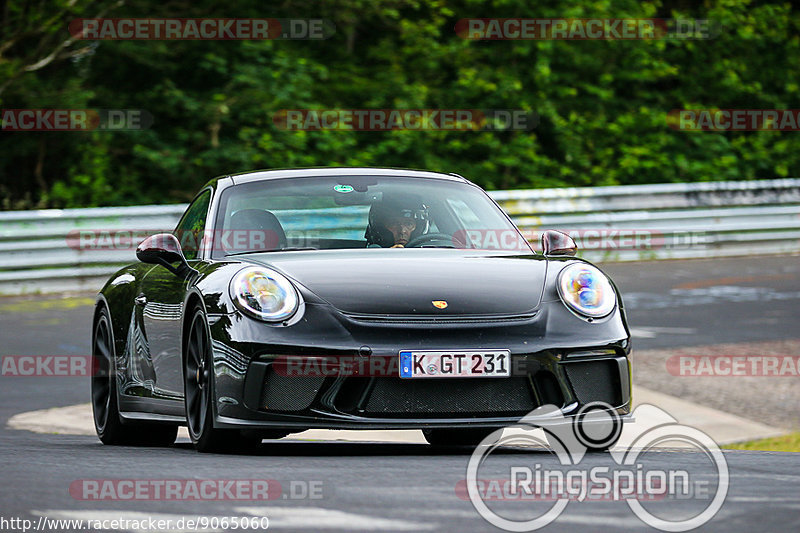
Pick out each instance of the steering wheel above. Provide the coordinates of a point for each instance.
(417, 242)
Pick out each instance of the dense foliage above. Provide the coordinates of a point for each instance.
(602, 104)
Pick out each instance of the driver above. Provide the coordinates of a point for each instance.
(394, 222)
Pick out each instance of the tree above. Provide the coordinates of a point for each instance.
(602, 105)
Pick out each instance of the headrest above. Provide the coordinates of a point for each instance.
(255, 224)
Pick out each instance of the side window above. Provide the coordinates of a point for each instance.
(191, 227)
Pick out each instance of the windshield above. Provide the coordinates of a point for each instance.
(359, 212)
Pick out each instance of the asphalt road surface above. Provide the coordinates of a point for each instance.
(710, 301)
(336, 486)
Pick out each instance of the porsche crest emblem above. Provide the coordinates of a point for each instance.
(439, 304)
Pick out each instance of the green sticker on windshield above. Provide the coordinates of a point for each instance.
(343, 188)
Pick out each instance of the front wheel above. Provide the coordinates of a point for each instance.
(198, 381)
(108, 423)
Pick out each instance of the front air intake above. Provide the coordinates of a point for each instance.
(594, 381)
(289, 393)
(451, 396)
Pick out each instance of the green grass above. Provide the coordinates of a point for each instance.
(786, 443)
(43, 303)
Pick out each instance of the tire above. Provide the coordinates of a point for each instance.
(457, 436)
(109, 425)
(198, 389)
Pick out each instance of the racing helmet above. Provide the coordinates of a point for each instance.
(390, 207)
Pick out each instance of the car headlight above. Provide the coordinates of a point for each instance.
(264, 294)
(586, 290)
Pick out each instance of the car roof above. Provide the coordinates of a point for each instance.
(260, 175)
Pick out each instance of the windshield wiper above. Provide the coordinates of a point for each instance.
(287, 249)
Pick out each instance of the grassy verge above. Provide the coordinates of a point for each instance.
(24, 304)
(787, 443)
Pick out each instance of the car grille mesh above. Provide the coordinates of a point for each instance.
(392, 396)
(594, 381)
(283, 393)
(438, 319)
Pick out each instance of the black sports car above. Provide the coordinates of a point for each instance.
(350, 298)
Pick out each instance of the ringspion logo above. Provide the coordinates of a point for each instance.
(554, 484)
(625, 473)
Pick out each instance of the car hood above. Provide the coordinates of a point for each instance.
(407, 282)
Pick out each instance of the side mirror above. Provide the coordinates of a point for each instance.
(558, 243)
(164, 249)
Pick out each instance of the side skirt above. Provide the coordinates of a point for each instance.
(133, 408)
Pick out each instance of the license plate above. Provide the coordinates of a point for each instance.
(455, 364)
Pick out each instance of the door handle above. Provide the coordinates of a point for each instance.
(140, 300)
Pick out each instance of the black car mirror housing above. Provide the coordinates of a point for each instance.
(164, 249)
(557, 243)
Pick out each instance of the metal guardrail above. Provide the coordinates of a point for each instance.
(666, 221)
(638, 222)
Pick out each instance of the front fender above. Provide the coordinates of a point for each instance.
(118, 295)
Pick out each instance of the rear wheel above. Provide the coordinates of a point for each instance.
(108, 423)
(198, 380)
(457, 436)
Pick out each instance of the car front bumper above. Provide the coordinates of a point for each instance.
(557, 359)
